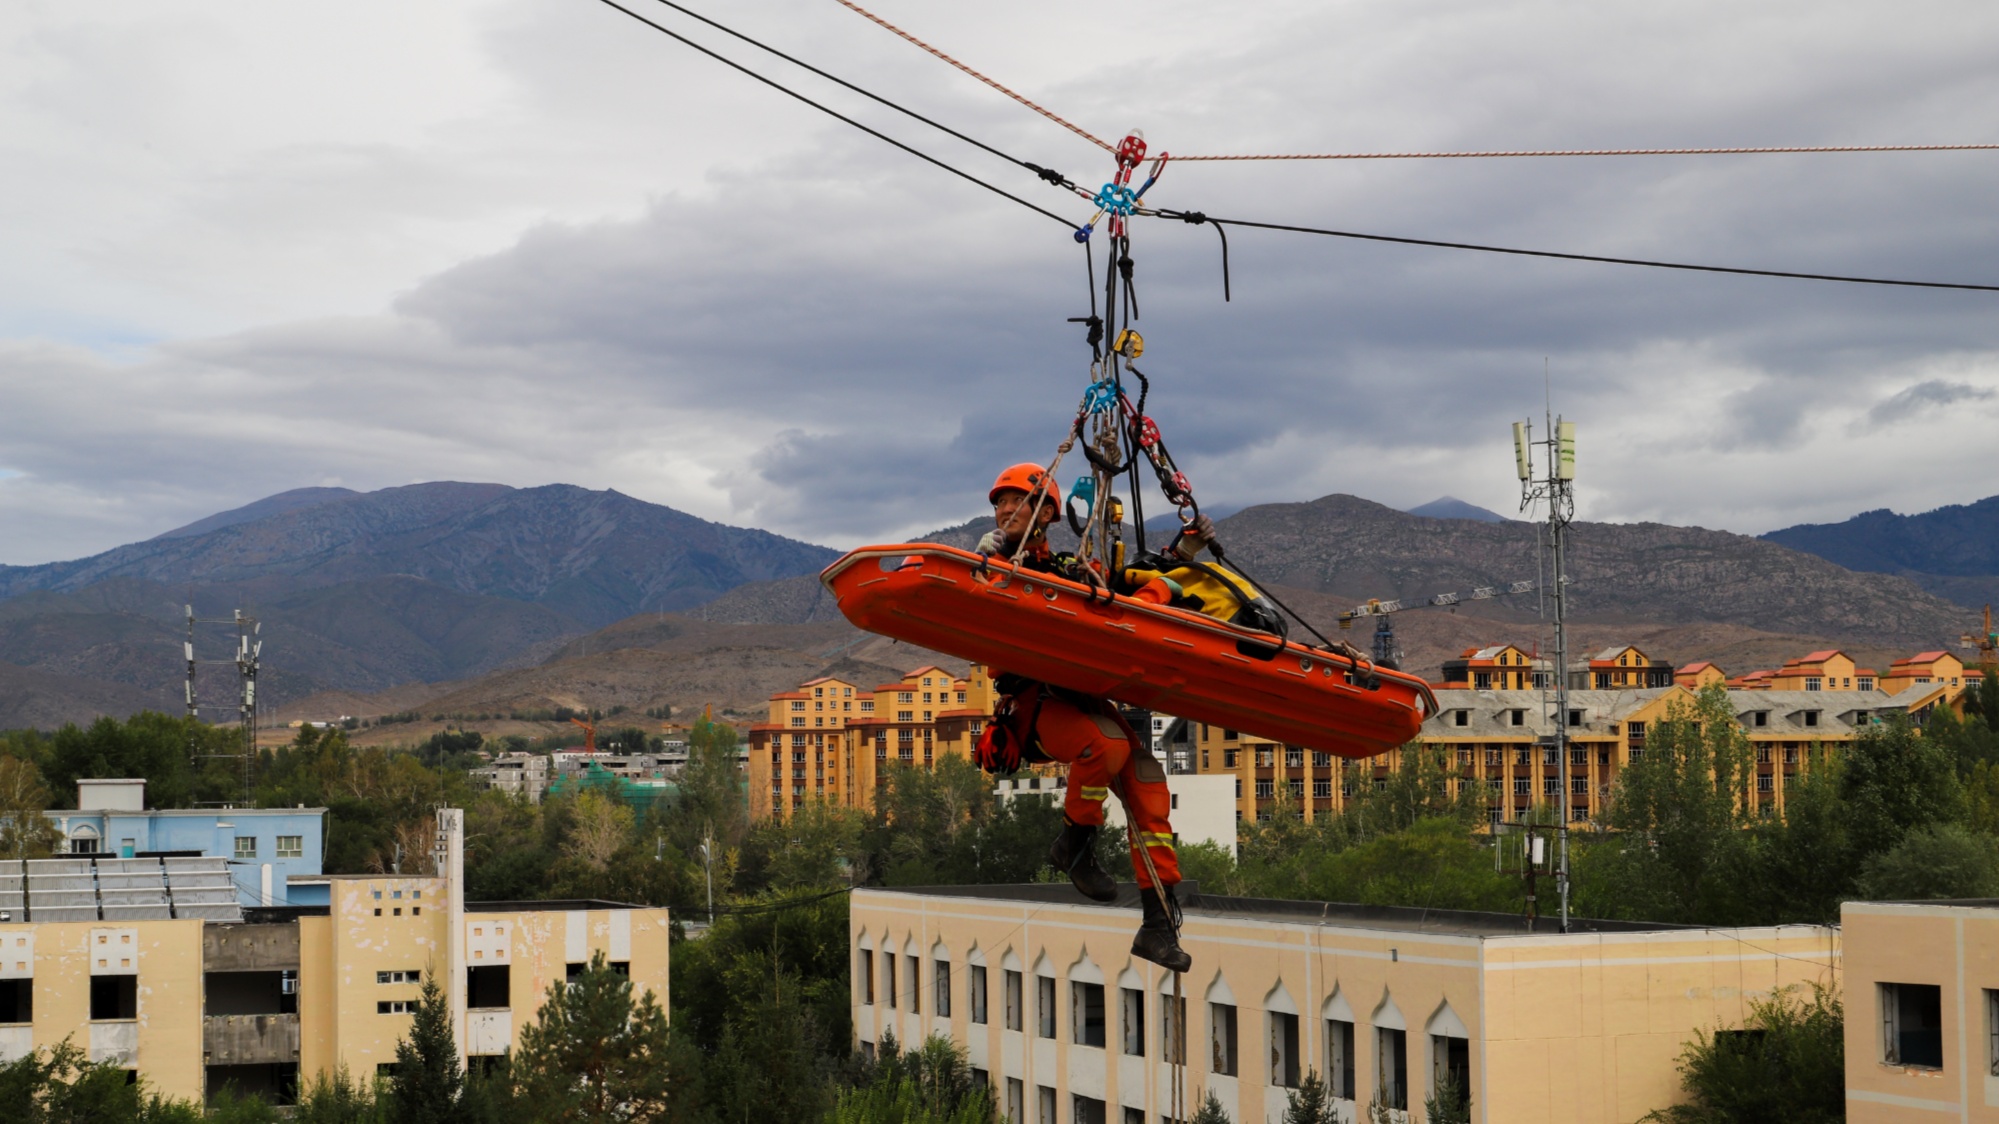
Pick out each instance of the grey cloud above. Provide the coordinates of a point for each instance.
(1923, 397)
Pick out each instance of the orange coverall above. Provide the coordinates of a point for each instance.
(1103, 754)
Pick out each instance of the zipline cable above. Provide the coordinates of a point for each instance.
(1051, 176)
(1197, 218)
(1510, 154)
(775, 85)
(1079, 131)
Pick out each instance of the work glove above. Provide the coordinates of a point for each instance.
(1193, 537)
(992, 542)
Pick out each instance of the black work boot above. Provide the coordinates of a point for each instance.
(1075, 854)
(1158, 938)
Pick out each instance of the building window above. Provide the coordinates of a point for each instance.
(1991, 1031)
(291, 846)
(1450, 1062)
(1340, 1059)
(1265, 789)
(1131, 1021)
(1044, 1006)
(1283, 1050)
(1222, 1039)
(1044, 1105)
(83, 845)
(1912, 1025)
(1086, 1013)
(1016, 1101)
(1461, 718)
(888, 980)
(1812, 682)
(1010, 983)
(867, 977)
(395, 1007)
(114, 997)
(409, 977)
(1085, 1110)
(1391, 1049)
(915, 988)
(975, 992)
(941, 977)
(17, 1002)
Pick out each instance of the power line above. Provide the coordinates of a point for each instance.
(1045, 173)
(1076, 129)
(1606, 152)
(1197, 217)
(775, 85)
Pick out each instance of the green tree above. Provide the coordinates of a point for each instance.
(595, 1055)
(1211, 1110)
(428, 1080)
(1933, 861)
(1449, 1102)
(336, 1098)
(1788, 1063)
(932, 1084)
(1433, 863)
(62, 1086)
(1895, 780)
(1310, 1102)
(25, 833)
(1680, 810)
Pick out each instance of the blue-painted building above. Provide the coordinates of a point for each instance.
(275, 855)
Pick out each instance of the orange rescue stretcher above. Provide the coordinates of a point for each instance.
(1174, 661)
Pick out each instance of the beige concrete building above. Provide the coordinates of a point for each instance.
(1922, 1011)
(272, 997)
(1041, 990)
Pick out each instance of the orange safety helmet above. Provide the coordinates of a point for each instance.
(1027, 478)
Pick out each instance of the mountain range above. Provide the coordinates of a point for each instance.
(468, 598)
(1953, 551)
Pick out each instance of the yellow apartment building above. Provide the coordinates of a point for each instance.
(1501, 667)
(1504, 740)
(1922, 1011)
(1040, 990)
(1698, 675)
(1822, 671)
(833, 740)
(272, 999)
(1925, 669)
(1616, 669)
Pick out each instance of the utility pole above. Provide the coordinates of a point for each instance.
(1558, 488)
(247, 660)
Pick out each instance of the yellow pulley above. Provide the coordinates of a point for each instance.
(1130, 344)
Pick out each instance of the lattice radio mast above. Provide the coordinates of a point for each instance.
(246, 658)
(1558, 488)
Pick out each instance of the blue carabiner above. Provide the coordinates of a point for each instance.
(1085, 490)
(1100, 398)
(1117, 199)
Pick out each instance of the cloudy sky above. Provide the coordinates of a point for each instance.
(250, 246)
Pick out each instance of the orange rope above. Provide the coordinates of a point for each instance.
(1604, 152)
(857, 9)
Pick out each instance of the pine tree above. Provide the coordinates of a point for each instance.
(594, 1055)
(1211, 1111)
(428, 1079)
(1310, 1103)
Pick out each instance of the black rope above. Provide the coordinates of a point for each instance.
(1052, 176)
(1197, 218)
(775, 85)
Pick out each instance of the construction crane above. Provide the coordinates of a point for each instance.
(589, 734)
(1377, 607)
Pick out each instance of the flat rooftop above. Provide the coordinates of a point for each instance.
(1344, 915)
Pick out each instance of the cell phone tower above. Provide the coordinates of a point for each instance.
(1558, 488)
(249, 650)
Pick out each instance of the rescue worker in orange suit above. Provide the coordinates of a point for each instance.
(1037, 722)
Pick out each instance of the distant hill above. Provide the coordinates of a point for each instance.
(293, 500)
(1451, 507)
(594, 557)
(1953, 551)
(1630, 572)
(363, 591)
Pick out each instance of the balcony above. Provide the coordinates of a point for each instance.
(250, 1039)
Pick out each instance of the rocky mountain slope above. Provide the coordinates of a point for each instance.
(1952, 552)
